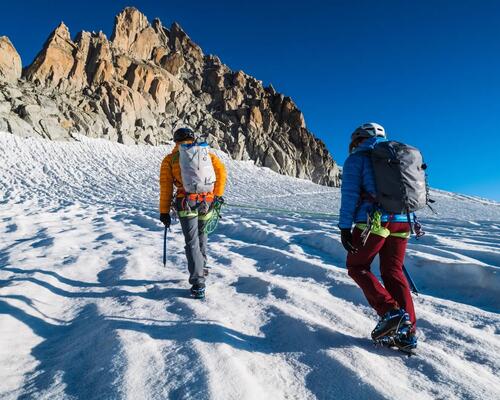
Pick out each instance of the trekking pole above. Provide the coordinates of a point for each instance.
(165, 247)
(413, 288)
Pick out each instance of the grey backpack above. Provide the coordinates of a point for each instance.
(197, 171)
(400, 177)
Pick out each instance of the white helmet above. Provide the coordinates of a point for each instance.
(370, 129)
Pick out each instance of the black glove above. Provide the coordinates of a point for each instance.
(219, 199)
(346, 237)
(165, 219)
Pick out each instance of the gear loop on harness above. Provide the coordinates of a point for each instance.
(419, 232)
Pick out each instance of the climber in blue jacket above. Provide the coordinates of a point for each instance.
(388, 237)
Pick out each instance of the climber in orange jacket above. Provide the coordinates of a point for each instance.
(194, 209)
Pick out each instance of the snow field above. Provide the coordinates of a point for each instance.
(88, 311)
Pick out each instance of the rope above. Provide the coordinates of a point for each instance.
(212, 223)
(281, 210)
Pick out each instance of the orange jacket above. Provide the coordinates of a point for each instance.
(170, 175)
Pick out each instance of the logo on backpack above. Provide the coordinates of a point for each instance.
(399, 177)
(197, 171)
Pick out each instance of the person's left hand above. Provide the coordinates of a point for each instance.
(219, 199)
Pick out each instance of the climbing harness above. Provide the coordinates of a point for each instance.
(374, 226)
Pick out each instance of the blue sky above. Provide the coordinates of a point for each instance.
(429, 71)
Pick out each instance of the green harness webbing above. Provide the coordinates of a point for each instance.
(202, 217)
(376, 228)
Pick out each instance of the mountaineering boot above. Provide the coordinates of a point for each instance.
(392, 321)
(206, 271)
(405, 339)
(198, 291)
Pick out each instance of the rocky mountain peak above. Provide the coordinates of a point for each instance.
(10, 61)
(145, 82)
(129, 29)
(61, 33)
(55, 61)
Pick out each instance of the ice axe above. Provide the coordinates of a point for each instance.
(165, 247)
(410, 281)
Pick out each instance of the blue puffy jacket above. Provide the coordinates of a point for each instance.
(358, 177)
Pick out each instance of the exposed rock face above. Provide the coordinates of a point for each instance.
(55, 62)
(144, 83)
(10, 62)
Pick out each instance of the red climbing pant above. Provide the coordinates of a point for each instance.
(395, 292)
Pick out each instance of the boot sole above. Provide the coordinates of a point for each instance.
(198, 294)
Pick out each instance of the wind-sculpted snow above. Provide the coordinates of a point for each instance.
(88, 311)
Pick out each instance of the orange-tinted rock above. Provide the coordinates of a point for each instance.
(173, 63)
(10, 61)
(54, 63)
(128, 24)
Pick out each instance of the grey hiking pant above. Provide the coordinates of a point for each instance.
(193, 227)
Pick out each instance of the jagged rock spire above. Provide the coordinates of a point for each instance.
(53, 64)
(10, 61)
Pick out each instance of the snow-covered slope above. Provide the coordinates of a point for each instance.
(88, 311)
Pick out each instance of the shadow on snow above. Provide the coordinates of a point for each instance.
(84, 352)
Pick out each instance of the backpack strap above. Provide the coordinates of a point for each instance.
(364, 195)
(173, 160)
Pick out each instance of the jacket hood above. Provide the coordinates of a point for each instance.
(369, 144)
(177, 144)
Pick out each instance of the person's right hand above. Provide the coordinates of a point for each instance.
(346, 237)
(219, 199)
(165, 219)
